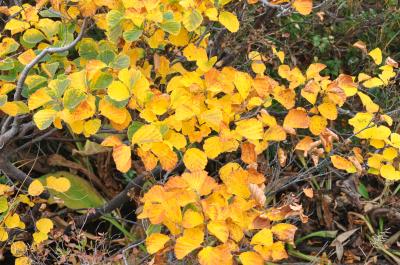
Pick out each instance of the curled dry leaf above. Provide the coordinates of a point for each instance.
(282, 157)
(309, 192)
(361, 45)
(257, 193)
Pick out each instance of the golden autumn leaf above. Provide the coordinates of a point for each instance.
(44, 225)
(35, 188)
(284, 232)
(147, 134)
(156, 242)
(219, 229)
(191, 239)
(251, 129)
(60, 184)
(263, 237)
(376, 55)
(251, 258)
(215, 255)
(195, 159)
(342, 163)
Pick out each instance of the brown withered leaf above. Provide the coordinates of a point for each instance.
(282, 157)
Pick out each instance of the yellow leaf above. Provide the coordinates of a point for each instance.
(229, 20)
(147, 134)
(389, 172)
(38, 99)
(200, 182)
(91, 127)
(58, 184)
(16, 26)
(373, 82)
(192, 219)
(263, 237)
(376, 55)
(191, 239)
(117, 115)
(317, 124)
(118, 91)
(275, 133)
(275, 252)
(39, 237)
(44, 225)
(22, 261)
(296, 118)
(251, 129)
(14, 108)
(304, 7)
(195, 159)
(122, 158)
(44, 118)
(342, 163)
(368, 103)
(251, 258)
(314, 69)
(3, 235)
(18, 248)
(328, 110)
(243, 82)
(155, 242)
(390, 153)
(12, 220)
(219, 229)
(35, 188)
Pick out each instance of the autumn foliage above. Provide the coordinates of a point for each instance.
(147, 88)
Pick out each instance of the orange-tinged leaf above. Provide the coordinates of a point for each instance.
(251, 258)
(219, 229)
(122, 158)
(195, 159)
(304, 7)
(215, 255)
(275, 133)
(284, 232)
(191, 239)
(249, 155)
(342, 163)
(309, 192)
(155, 242)
(200, 182)
(296, 118)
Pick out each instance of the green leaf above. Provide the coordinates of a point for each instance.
(114, 18)
(3, 100)
(81, 194)
(153, 229)
(363, 191)
(33, 36)
(34, 82)
(101, 81)
(50, 68)
(107, 56)
(135, 125)
(192, 20)
(88, 49)
(3, 204)
(73, 97)
(58, 86)
(133, 34)
(121, 61)
(7, 64)
(171, 27)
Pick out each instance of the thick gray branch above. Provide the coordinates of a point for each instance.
(29, 66)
